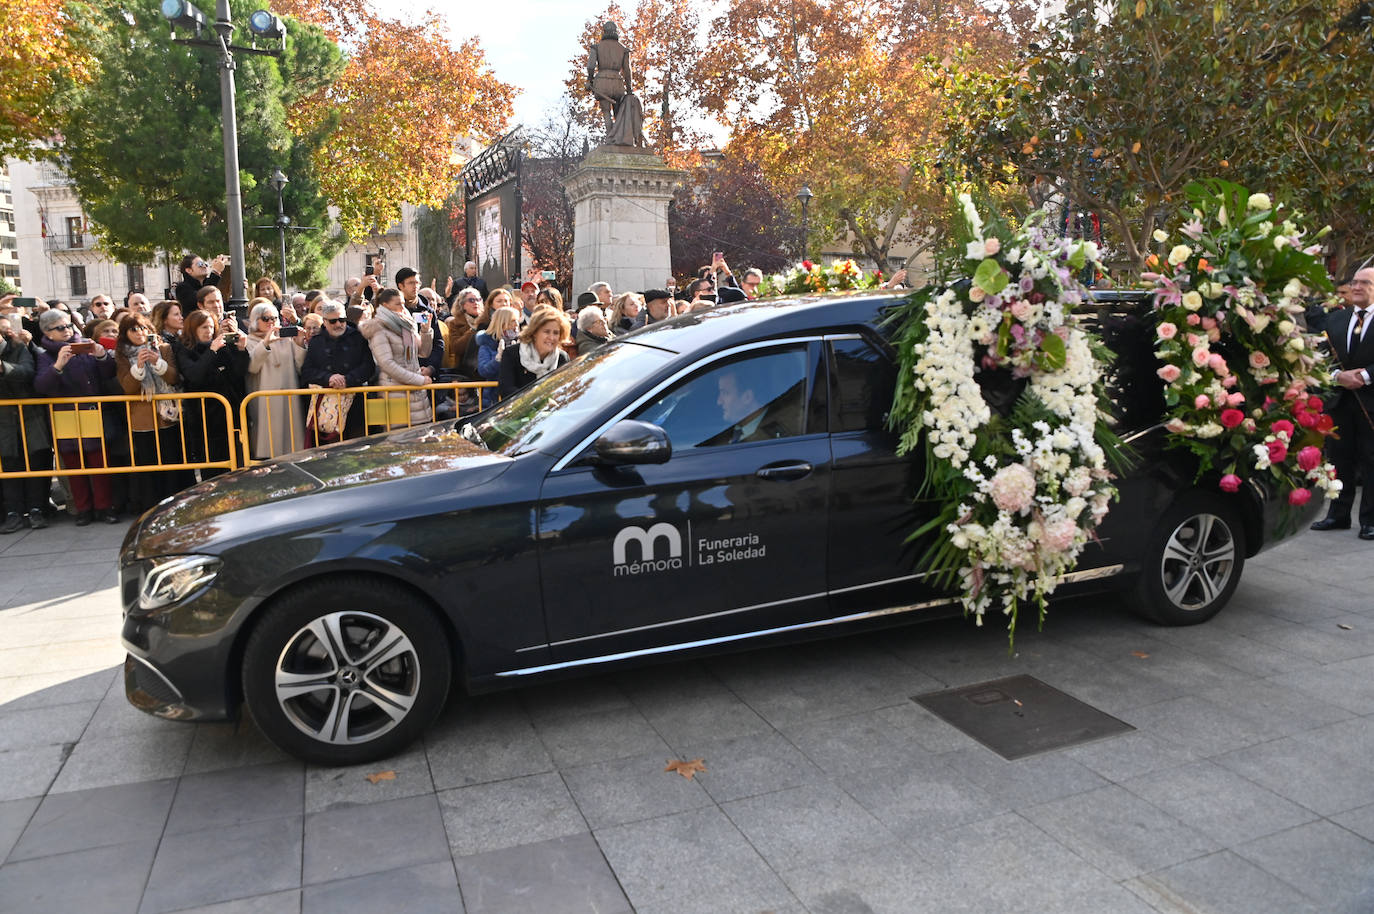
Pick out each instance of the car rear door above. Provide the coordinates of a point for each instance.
(872, 507)
(725, 539)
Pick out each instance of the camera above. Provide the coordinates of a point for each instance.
(231, 338)
(550, 275)
(287, 332)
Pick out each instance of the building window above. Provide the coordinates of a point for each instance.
(134, 277)
(7, 219)
(77, 275)
(74, 233)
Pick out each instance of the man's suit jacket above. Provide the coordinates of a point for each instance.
(1337, 330)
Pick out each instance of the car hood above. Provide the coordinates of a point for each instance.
(268, 496)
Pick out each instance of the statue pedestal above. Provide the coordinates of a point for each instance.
(620, 200)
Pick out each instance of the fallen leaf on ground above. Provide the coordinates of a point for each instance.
(1141, 654)
(686, 769)
(387, 775)
(1349, 628)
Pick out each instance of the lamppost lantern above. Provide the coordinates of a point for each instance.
(804, 195)
(279, 182)
(263, 24)
(182, 14)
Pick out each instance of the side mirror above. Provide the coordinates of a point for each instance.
(630, 441)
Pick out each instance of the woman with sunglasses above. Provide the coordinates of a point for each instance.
(71, 366)
(146, 367)
(213, 358)
(274, 363)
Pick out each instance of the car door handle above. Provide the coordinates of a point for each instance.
(791, 469)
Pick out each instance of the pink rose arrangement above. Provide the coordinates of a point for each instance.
(1239, 383)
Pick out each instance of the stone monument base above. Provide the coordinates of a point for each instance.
(620, 200)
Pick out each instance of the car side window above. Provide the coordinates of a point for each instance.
(752, 397)
(862, 381)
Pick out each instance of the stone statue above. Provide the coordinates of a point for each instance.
(608, 77)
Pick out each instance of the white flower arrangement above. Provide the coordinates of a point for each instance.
(1025, 490)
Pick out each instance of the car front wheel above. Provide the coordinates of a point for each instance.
(346, 686)
(1193, 562)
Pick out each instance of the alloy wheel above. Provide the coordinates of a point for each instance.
(1197, 562)
(347, 677)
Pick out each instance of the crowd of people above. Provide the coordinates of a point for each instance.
(370, 335)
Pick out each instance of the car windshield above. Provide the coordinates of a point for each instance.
(551, 408)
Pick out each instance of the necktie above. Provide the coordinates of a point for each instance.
(1357, 329)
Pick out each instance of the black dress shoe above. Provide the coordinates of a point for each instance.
(1331, 523)
(1367, 532)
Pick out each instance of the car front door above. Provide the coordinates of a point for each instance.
(724, 539)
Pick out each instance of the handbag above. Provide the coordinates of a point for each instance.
(328, 411)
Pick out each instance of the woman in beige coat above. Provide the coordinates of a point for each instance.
(398, 343)
(274, 364)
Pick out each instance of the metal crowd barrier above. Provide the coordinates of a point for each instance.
(384, 408)
(77, 420)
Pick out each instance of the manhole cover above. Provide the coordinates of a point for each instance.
(1020, 716)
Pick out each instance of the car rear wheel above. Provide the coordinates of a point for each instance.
(346, 686)
(1193, 562)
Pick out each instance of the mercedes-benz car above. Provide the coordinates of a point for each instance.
(716, 481)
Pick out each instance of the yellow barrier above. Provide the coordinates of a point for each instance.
(82, 419)
(383, 408)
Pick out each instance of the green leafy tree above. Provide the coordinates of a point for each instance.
(1118, 106)
(142, 142)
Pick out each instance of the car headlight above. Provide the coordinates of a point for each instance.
(168, 580)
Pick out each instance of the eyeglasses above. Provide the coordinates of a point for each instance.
(336, 320)
(270, 320)
(60, 327)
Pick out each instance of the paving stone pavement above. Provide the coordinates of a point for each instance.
(1247, 786)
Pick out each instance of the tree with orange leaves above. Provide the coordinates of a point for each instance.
(841, 96)
(404, 98)
(41, 48)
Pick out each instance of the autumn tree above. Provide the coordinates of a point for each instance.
(43, 47)
(1119, 106)
(142, 142)
(662, 36)
(404, 98)
(727, 205)
(839, 95)
(554, 150)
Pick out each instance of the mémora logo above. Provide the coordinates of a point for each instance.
(648, 540)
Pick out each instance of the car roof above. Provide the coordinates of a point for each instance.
(725, 325)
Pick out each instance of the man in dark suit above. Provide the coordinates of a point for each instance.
(1352, 345)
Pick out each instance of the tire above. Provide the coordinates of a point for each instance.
(346, 686)
(1193, 562)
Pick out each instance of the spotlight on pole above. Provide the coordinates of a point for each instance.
(264, 24)
(183, 14)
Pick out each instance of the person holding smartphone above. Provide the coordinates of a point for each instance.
(400, 342)
(274, 363)
(146, 367)
(196, 274)
(24, 443)
(71, 366)
(212, 358)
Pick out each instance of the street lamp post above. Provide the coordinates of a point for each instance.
(265, 25)
(279, 182)
(804, 195)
